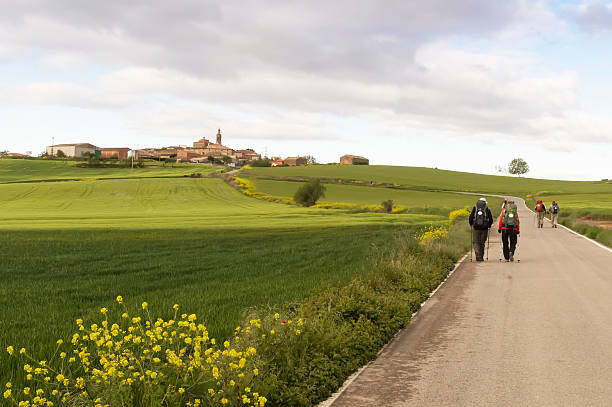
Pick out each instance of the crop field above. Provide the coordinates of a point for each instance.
(12, 170)
(161, 204)
(429, 178)
(67, 248)
(413, 200)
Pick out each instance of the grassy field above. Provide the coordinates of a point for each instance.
(415, 201)
(429, 178)
(582, 203)
(67, 248)
(12, 170)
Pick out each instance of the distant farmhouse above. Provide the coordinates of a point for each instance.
(293, 161)
(120, 153)
(354, 159)
(72, 150)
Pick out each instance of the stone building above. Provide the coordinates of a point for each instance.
(354, 159)
(120, 153)
(293, 161)
(216, 150)
(71, 150)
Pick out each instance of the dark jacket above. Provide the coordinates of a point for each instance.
(473, 214)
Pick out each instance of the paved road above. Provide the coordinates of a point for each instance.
(534, 333)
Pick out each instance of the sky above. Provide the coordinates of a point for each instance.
(465, 85)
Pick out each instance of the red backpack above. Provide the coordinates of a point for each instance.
(540, 207)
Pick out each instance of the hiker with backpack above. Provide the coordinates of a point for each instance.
(540, 210)
(480, 221)
(554, 213)
(510, 228)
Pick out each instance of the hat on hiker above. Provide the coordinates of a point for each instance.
(483, 199)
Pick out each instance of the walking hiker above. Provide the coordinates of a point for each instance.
(481, 221)
(510, 228)
(540, 210)
(554, 213)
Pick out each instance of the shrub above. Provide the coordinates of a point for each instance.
(459, 213)
(387, 206)
(262, 162)
(309, 193)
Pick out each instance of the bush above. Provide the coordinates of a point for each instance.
(263, 162)
(387, 206)
(309, 193)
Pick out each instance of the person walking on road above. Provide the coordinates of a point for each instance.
(510, 228)
(540, 210)
(480, 221)
(554, 213)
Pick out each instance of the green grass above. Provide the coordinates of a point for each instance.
(578, 199)
(429, 178)
(415, 201)
(13, 170)
(161, 204)
(68, 248)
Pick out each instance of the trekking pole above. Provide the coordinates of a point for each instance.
(471, 241)
(488, 240)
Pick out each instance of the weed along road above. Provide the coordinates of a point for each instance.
(534, 333)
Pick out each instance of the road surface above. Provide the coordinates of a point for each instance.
(534, 333)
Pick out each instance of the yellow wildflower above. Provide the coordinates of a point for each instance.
(10, 350)
(119, 299)
(7, 393)
(144, 305)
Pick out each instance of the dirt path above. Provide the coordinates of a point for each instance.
(534, 333)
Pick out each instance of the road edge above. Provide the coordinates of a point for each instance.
(331, 399)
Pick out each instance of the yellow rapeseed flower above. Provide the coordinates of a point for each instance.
(175, 306)
(181, 390)
(144, 305)
(10, 350)
(7, 393)
(22, 351)
(103, 310)
(119, 299)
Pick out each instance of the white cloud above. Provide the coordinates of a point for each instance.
(270, 70)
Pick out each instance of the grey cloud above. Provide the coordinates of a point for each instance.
(222, 39)
(595, 15)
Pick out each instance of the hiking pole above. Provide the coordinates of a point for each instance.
(471, 241)
(488, 240)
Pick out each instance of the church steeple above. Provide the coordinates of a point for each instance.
(219, 136)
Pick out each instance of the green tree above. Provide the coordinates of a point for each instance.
(309, 193)
(226, 159)
(518, 166)
(60, 154)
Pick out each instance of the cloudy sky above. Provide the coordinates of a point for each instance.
(462, 84)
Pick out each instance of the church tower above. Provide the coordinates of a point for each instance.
(219, 136)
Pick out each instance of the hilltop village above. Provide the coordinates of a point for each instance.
(201, 151)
